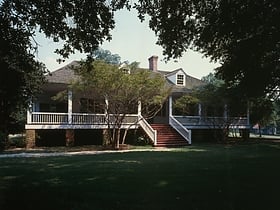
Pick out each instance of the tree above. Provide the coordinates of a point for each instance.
(276, 116)
(221, 103)
(121, 92)
(80, 25)
(261, 112)
(106, 56)
(21, 75)
(244, 36)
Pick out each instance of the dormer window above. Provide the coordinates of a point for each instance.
(180, 79)
(126, 70)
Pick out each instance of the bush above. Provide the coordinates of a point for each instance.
(3, 140)
(142, 141)
(17, 140)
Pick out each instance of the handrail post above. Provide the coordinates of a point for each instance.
(155, 138)
(70, 103)
(170, 107)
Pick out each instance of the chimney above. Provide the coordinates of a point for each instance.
(153, 63)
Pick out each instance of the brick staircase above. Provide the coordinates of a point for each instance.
(168, 136)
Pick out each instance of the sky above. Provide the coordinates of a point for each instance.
(133, 41)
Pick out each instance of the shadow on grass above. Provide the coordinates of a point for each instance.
(197, 177)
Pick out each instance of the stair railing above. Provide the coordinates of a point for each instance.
(185, 133)
(148, 129)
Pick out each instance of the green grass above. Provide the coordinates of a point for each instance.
(197, 177)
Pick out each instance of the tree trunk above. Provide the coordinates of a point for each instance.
(124, 136)
(106, 137)
(118, 136)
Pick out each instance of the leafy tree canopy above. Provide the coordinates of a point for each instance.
(80, 25)
(262, 109)
(106, 56)
(243, 35)
(21, 75)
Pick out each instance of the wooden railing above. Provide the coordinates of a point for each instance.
(76, 118)
(211, 121)
(83, 118)
(181, 129)
(48, 118)
(148, 129)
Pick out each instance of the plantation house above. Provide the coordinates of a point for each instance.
(63, 122)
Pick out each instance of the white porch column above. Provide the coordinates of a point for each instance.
(29, 114)
(170, 106)
(107, 118)
(199, 112)
(70, 104)
(248, 113)
(106, 105)
(139, 108)
(225, 111)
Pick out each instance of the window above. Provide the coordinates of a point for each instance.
(90, 106)
(53, 107)
(180, 79)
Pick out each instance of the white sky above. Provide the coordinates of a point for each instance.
(133, 41)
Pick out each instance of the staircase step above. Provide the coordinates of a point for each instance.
(168, 136)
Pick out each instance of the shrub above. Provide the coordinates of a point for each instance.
(17, 140)
(3, 140)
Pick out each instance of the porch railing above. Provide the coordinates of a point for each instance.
(76, 118)
(211, 121)
(48, 118)
(180, 129)
(83, 118)
(148, 130)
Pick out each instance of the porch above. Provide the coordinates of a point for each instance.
(38, 120)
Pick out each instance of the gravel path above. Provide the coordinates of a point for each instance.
(57, 154)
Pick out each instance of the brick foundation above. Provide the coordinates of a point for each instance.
(70, 138)
(30, 138)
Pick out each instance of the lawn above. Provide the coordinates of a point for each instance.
(197, 177)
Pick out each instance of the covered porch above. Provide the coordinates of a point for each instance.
(70, 120)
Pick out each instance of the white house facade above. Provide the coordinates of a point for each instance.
(166, 129)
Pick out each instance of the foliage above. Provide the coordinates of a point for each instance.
(213, 96)
(17, 141)
(276, 114)
(216, 93)
(120, 92)
(21, 75)
(81, 25)
(3, 141)
(261, 110)
(220, 103)
(242, 35)
(106, 56)
(183, 105)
